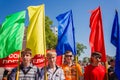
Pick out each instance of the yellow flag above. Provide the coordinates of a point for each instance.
(36, 30)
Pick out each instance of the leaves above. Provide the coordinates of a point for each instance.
(80, 48)
(51, 38)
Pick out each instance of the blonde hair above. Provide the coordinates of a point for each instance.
(50, 53)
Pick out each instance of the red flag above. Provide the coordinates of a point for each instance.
(96, 35)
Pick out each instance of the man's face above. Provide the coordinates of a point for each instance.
(51, 59)
(68, 57)
(112, 63)
(26, 58)
(96, 58)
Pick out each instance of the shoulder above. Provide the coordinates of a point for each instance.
(88, 67)
(42, 69)
(13, 73)
(59, 67)
(35, 68)
(14, 70)
(102, 66)
(63, 65)
(59, 71)
(78, 65)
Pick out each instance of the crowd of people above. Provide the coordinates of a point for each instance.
(69, 70)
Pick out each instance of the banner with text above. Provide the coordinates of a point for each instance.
(12, 60)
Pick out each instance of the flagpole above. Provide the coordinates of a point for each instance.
(106, 66)
(76, 61)
(18, 68)
(45, 69)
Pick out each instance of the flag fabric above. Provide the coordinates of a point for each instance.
(11, 34)
(96, 38)
(66, 35)
(115, 40)
(36, 30)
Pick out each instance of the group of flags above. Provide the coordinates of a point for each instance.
(12, 32)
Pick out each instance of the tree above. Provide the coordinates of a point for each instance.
(80, 48)
(51, 38)
(86, 60)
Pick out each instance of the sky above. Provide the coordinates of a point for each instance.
(81, 15)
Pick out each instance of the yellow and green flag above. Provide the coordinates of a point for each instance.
(36, 30)
(11, 34)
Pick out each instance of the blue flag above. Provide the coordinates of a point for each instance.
(66, 36)
(115, 40)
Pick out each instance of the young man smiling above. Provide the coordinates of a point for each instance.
(71, 69)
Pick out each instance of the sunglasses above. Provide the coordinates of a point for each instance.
(68, 55)
(97, 57)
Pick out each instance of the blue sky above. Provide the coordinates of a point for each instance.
(81, 15)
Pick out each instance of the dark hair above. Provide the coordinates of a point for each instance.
(27, 50)
(96, 54)
(112, 60)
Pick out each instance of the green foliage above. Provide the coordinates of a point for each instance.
(80, 48)
(86, 60)
(51, 38)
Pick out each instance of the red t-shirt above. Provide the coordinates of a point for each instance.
(94, 72)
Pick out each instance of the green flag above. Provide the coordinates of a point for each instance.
(11, 34)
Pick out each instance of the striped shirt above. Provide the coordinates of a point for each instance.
(25, 73)
(58, 74)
